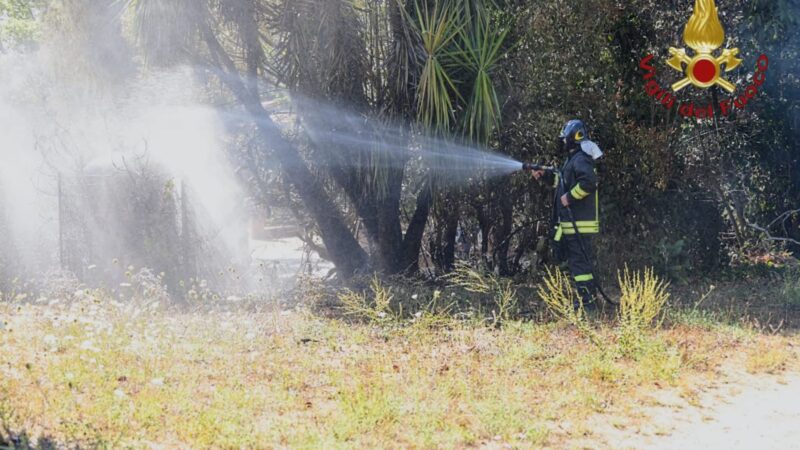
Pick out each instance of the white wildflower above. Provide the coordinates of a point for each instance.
(88, 345)
(51, 342)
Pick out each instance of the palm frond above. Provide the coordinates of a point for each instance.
(320, 48)
(242, 18)
(481, 46)
(437, 27)
(166, 28)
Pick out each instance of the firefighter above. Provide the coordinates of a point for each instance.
(576, 200)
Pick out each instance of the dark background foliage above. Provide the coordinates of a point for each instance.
(687, 197)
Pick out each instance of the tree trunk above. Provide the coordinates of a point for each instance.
(444, 247)
(412, 243)
(449, 244)
(344, 250)
(486, 226)
(390, 234)
(503, 232)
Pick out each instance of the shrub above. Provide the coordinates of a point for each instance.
(642, 298)
(376, 308)
(502, 292)
(560, 297)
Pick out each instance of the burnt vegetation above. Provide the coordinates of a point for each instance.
(686, 197)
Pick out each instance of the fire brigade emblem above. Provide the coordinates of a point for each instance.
(704, 34)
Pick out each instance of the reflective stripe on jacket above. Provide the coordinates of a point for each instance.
(580, 183)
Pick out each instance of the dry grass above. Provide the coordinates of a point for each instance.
(102, 373)
(768, 356)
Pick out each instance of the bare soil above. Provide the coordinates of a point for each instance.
(736, 410)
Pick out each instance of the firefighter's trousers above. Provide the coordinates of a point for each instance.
(581, 265)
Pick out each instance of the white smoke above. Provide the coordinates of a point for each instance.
(66, 125)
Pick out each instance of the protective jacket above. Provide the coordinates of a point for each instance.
(580, 185)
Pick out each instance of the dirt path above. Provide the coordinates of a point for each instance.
(738, 411)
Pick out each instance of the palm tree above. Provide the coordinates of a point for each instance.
(381, 61)
(200, 32)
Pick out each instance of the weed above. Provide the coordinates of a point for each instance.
(711, 321)
(642, 298)
(15, 292)
(504, 295)
(559, 296)
(364, 408)
(238, 380)
(600, 368)
(767, 359)
(378, 308)
(657, 361)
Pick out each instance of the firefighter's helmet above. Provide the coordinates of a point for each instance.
(574, 132)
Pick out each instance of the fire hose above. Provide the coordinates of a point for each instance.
(556, 172)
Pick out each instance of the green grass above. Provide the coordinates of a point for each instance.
(99, 373)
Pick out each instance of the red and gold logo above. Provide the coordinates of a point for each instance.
(703, 68)
(704, 34)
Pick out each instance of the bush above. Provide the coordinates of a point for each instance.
(502, 292)
(560, 297)
(642, 298)
(377, 308)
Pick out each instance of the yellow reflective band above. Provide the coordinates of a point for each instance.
(581, 224)
(597, 205)
(581, 278)
(558, 179)
(579, 193)
(570, 232)
(559, 233)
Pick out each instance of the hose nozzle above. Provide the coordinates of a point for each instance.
(530, 167)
